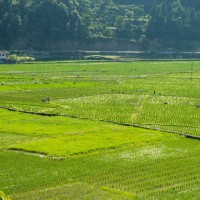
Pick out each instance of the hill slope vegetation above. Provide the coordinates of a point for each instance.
(31, 24)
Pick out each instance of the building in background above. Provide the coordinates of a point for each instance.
(3, 56)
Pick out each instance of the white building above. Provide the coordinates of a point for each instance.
(2, 55)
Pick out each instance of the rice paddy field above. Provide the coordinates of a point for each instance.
(100, 130)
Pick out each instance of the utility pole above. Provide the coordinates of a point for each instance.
(79, 54)
(191, 71)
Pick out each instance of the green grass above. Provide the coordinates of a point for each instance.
(62, 136)
(88, 155)
(153, 164)
(119, 92)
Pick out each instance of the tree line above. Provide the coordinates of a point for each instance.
(35, 22)
(174, 20)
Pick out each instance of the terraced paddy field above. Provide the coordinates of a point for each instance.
(100, 130)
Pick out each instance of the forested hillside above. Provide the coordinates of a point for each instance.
(32, 23)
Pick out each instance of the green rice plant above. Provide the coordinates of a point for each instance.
(112, 107)
(60, 157)
(178, 114)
